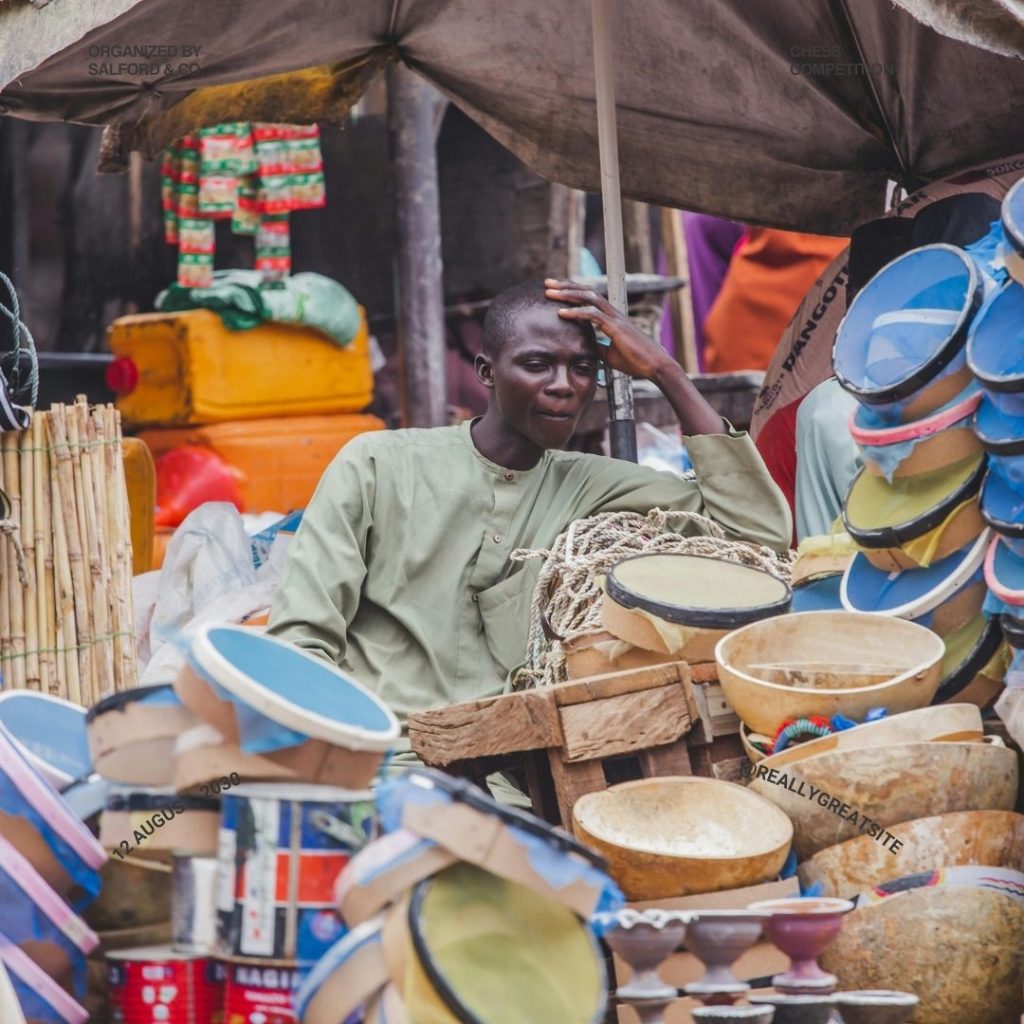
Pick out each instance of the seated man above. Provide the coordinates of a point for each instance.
(400, 571)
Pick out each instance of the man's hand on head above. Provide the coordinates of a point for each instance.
(630, 351)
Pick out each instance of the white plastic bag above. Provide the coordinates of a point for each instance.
(207, 576)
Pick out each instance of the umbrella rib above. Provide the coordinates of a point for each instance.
(845, 24)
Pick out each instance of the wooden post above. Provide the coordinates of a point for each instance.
(621, 428)
(680, 302)
(566, 221)
(412, 104)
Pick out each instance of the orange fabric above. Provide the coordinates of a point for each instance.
(769, 275)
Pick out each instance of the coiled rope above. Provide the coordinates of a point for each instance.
(568, 596)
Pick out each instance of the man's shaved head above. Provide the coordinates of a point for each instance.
(507, 308)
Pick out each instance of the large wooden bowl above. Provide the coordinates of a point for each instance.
(889, 785)
(957, 948)
(677, 836)
(987, 838)
(945, 723)
(827, 663)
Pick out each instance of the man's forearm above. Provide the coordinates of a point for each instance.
(694, 413)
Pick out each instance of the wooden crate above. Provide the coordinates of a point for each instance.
(569, 738)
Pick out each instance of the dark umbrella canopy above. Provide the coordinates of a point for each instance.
(788, 112)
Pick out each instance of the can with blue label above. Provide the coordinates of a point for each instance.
(281, 848)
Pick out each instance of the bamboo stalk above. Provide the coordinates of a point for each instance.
(80, 573)
(126, 645)
(5, 608)
(15, 589)
(101, 492)
(44, 558)
(28, 543)
(94, 545)
(69, 567)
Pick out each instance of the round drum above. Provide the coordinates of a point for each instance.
(37, 822)
(157, 984)
(287, 705)
(931, 443)
(482, 950)
(51, 733)
(40, 923)
(282, 847)
(40, 997)
(1004, 574)
(918, 594)
(1002, 504)
(508, 842)
(351, 972)
(1012, 216)
(969, 652)
(995, 349)
(901, 342)
(683, 604)
(131, 735)
(916, 520)
(148, 821)
(1000, 434)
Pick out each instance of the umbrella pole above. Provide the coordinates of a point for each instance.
(621, 429)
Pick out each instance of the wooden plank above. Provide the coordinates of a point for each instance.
(702, 727)
(704, 672)
(724, 721)
(499, 725)
(573, 781)
(671, 759)
(615, 684)
(625, 724)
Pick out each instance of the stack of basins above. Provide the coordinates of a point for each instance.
(49, 861)
(245, 788)
(995, 354)
(914, 510)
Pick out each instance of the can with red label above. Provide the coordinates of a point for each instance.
(259, 991)
(156, 985)
(282, 847)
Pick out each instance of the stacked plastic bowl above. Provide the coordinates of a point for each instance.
(995, 355)
(914, 511)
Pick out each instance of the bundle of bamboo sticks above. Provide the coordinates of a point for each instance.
(66, 621)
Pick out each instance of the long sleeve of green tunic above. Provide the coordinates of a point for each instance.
(400, 571)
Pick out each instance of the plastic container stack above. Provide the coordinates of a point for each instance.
(265, 409)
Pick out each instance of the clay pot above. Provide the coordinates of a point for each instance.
(989, 838)
(734, 1014)
(727, 837)
(878, 1006)
(889, 785)
(645, 939)
(968, 970)
(796, 1009)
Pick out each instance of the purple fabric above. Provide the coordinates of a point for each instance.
(710, 242)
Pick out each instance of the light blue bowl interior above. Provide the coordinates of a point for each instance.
(874, 356)
(52, 732)
(995, 347)
(301, 680)
(870, 589)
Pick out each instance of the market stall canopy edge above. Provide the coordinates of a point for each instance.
(792, 113)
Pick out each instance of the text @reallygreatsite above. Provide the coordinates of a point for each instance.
(800, 787)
